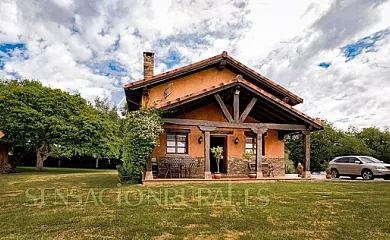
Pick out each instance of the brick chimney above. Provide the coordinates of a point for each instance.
(148, 64)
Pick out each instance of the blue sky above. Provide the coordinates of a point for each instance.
(334, 54)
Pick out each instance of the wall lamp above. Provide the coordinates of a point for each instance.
(236, 140)
(200, 139)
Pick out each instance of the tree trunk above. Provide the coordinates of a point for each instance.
(42, 154)
(97, 163)
(39, 166)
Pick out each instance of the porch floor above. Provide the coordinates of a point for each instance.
(287, 177)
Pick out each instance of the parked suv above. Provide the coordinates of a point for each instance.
(354, 166)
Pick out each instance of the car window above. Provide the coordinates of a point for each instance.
(370, 160)
(352, 159)
(342, 160)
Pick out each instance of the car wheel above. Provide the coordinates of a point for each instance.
(367, 175)
(335, 173)
(353, 177)
(386, 177)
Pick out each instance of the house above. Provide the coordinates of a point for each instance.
(221, 102)
(4, 148)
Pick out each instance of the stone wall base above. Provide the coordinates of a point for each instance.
(237, 167)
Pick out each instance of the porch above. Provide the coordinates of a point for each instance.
(169, 166)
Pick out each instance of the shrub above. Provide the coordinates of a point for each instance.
(218, 154)
(299, 169)
(142, 131)
(290, 168)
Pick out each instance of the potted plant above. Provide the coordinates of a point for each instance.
(247, 156)
(218, 155)
(328, 173)
(299, 169)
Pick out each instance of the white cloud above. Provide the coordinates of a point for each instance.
(284, 40)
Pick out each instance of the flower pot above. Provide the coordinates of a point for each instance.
(252, 175)
(328, 176)
(217, 175)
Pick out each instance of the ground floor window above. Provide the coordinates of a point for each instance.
(177, 143)
(250, 143)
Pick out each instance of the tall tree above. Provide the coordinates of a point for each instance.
(378, 141)
(327, 144)
(54, 123)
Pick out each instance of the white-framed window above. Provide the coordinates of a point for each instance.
(177, 143)
(250, 144)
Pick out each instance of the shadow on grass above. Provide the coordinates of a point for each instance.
(54, 170)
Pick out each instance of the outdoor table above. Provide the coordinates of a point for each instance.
(180, 164)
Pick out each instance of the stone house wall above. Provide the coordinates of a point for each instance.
(237, 167)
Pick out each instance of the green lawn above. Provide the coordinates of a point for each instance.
(96, 208)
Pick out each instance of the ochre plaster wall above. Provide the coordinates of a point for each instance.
(212, 112)
(188, 84)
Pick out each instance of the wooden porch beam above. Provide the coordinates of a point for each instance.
(259, 150)
(207, 130)
(306, 154)
(247, 110)
(275, 126)
(223, 107)
(236, 104)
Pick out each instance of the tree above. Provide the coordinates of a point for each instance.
(325, 145)
(322, 147)
(142, 131)
(378, 141)
(54, 123)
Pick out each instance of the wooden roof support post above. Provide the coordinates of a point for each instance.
(207, 130)
(236, 104)
(247, 110)
(306, 154)
(223, 108)
(259, 150)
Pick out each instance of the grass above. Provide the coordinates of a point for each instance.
(278, 210)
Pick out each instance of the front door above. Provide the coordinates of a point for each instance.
(218, 141)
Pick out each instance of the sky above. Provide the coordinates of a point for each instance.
(335, 54)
